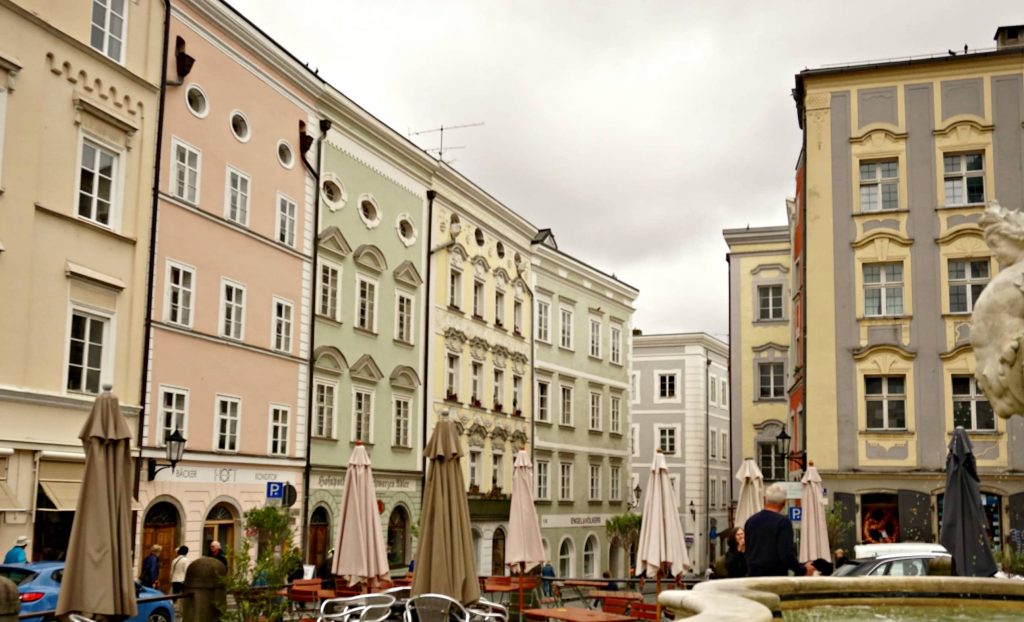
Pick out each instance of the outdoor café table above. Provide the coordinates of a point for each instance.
(493, 585)
(578, 584)
(602, 594)
(574, 614)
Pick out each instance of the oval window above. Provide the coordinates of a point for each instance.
(195, 99)
(479, 235)
(240, 126)
(501, 250)
(334, 193)
(284, 154)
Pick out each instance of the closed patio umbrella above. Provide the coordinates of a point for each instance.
(963, 520)
(360, 555)
(813, 531)
(98, 576)
(751, 498)
(524, 548)
(661, 543)
(444, 556)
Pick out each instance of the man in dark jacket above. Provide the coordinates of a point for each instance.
(151, 567)
(769, 539)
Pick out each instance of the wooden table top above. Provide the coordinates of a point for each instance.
(584, 583)
(575, 614)
(615, 594)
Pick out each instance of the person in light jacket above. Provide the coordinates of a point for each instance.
(178, 568)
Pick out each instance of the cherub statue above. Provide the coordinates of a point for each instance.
(997, 326)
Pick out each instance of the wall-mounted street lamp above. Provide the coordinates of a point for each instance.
(175, 449)
(798, 458)
(693, 511)
(634, 503)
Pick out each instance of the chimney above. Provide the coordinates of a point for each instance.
(1009, 37)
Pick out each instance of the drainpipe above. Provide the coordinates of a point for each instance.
(733, 436)
(428, 305)
(707, 455)
(325, 126)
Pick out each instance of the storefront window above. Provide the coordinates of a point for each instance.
(398, 537)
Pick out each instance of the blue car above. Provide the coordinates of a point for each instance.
(39, 584)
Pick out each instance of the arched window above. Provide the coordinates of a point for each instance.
(398, 537)
(319, 536)
(220, 526)
(498, 552)
(565, 553)
(477, 547)
(590, 557)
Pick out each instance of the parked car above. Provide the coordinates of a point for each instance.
(900, 559)
(39, 585)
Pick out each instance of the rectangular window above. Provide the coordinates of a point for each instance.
(451, 377)
(499, 308)
(666, 386)
(403, 318)
(362, 413)
(232, 310)
(772, 463)
(173, 410)
(634, 439)
(286, 211)
(566, 405)
(565, 481)
(970, 408)
(329, 291)
(634, 386)
(616, 345)
(366, 304)
(236, 203)
(517, 317)
(615, 481)
(543, 479)
(185, 172)
(725, 446)
(595, 411)
(474, 468)
(967, 279)
(964, 178)
(499, 390)
(615, 414)
(497, 470)
(180, 288)
(565, 328)
(97, 183)
(543, 401)
(108, 28)
(879, 186)
(227, 423)
(771, 380)
(282, 325)
(725, 394)
(595, 338)
(883, 289)
(594, 480)
(544, 321)
(86, 352)
(403, 422)
(667, 441)
(477, 380)
(455, 288)
(713, 390)
(769, 302)
(323, 422)
(886, 402)
(279, 431)
(712, 493)
(517, 394)
(713, 444)
(478, 299)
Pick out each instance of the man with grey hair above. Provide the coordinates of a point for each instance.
(769, 539)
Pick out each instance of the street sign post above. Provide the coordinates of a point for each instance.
(275, 494)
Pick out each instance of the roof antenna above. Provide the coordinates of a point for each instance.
(440, 149)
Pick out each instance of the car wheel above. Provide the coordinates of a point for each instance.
(160, 615)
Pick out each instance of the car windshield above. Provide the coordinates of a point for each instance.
(846, 569)
(17, 575)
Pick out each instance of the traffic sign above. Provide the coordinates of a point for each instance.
(275, 493)
(795, 514)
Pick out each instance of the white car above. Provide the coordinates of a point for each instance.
(900, 559)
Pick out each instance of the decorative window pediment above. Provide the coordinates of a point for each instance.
(501, 275)
(519, 438)
(767, 431)
(366, 369)
(332, 241)
(480, 265)
(407, 274)
(457, 255)
(369, 257)
(404, 377)
(329, 360)
(770, 346)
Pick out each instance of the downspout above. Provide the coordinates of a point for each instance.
(732, 432)
(428, 304)
(151, 265)
(533, 375)
(325, 126)
(707, 454)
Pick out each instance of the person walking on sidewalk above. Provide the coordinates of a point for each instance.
(769, 539)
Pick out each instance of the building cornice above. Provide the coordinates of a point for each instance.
(459, 190)
(680, 339)
(572, 264)
(56, 400)
(778, 234)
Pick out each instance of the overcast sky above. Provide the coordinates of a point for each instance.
(636, 130)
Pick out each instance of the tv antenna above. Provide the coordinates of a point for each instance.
(440, 149)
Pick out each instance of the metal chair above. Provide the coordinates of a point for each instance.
(434, 608)
(485, 610)
(361, 608)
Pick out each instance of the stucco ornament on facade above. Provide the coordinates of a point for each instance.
(454, 339)
(997, 333)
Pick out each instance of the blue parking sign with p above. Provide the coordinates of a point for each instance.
(275, 490)
(795, 514)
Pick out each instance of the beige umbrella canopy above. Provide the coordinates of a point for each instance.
(751, 498)
(661, 542)
(444, 558)
(360, 555)
(813, 531)
(98, 574)
(524, 548)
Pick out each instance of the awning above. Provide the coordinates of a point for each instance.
(61, 482)
(63, 495)
(8, 501)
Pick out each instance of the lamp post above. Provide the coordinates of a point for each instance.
(635, 501)
(175, 449)
(782, 442)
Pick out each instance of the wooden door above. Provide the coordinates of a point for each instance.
(317, 544)
(164, 536)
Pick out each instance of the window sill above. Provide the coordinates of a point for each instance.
(401, 448)
(353, 443)
(962, 206)
(991, 433)
(882, 212)
(364, 331)
(595, 357)
(102, 229)
(566, 348)
(328, 319)
(329, 439)
(774, 321)
(546, 502)
(885, 318)
(543, 422)
(567, 426)
(478, 318)
(615, 433)
(597, 431)
(404, 344)
(455, 309)
(593, 502)
(565, 502)
(892, 432)
(770, 399)
(616, 363)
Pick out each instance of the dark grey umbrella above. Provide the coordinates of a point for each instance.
(963, 520)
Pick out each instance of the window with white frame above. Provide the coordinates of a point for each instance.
(971, 409)
(497, 469)
(499, 307)
(615, 340)
(286, 214)
(451, 376)
(232, 308)
(474, 468)
(173, 411)
(329, 291)
(615, 414)
(279, 430)
(228, 415)
(667, 386)
(967, 279)
(323, 413)
(282, 337)
(566, 403)
(362, 414)
(565, 328)
(885, 398)
(517, 317)
(185, 172)
(478, 298)
(454, 288)
(543, 472)
(236, 198)
(769, 302)
(565, 558)
(517, 393)
(543, 401)
(565, 481)
(615, 483)
(366, 304)
(595, 411)
(725, 394)
(499, 389)
(402, 422)
(594, 480)
(180, 289)
(879, 186)
(595, 338)
(883, 289)
(964, 178)
(713, 390)
(87, 345)
(98, 180)
(713, 493)
(771, 462)
(544, 321)
(725, 446)
(634, 439)
(713, 444)
(667, 440)
(403, 318)
(590, 557)
(771, 380)
(476, 384)
(107, 28)
(634, 386)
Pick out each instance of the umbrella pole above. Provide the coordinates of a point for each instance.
(522, 568)
(657, 592)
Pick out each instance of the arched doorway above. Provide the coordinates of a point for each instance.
(498, 553)
(565, 553)
(319, 536)
(398, 537)
(220, 526)
(161, 527)
(615, 558)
